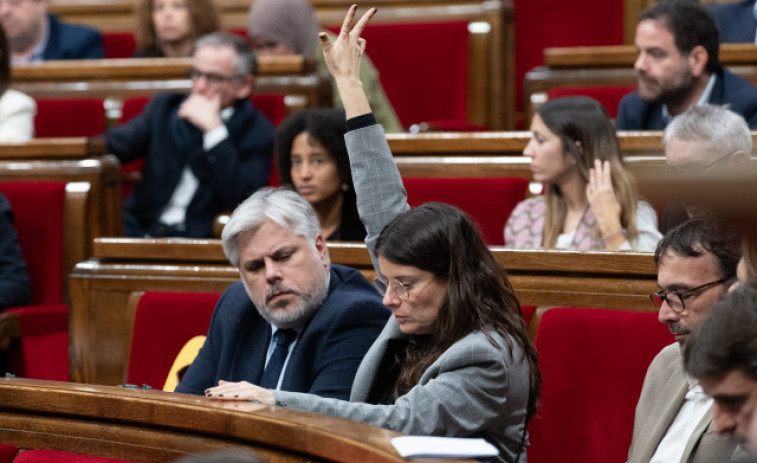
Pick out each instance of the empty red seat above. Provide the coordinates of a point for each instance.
(69, 117)
(42, 352)
(593, 363)
(119, 44)
(163, 323)
(488, 201)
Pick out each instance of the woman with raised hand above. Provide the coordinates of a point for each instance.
(455, 359)
(590, 202)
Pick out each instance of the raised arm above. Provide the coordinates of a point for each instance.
(378, 185)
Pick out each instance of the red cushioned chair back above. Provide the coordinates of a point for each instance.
(428, 89)
(56, 456)
(545, 23)
(7, 453)
(593, 363)
(38, 218)
(609, 97)
(119, 44)
(69, 117)
(163, 323)
(488, 201)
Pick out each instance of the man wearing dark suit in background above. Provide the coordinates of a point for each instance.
(677, 67)
(204, 152)
(35, 35)
(736, 21)
(295, 322)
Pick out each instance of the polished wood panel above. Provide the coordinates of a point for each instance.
(101, 287)
(154, 426)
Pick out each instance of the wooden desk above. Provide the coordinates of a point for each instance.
(154, 426)
(101, 287)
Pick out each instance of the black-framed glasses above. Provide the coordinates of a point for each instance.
(211, 77)
(401, 290)
(675, 298)
(705, 168)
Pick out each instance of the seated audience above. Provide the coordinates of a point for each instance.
(294, 322)
(455, 360)
(678, 67)
(35, 35)
(286, 27)
(313, 159)
(735, 21)
(16, 109)
(673, 423)
(722, 355)
(590, 201)
(705, 138)
(204, 152)
(15, 289)
(169, 28)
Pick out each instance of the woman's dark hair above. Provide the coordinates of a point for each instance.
(5, 63)
(442, 240)
(328, 127)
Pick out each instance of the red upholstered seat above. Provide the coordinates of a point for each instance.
(593, 363)
(119, 44)
(7, 453)
(38, 218)
(488, 201)
(433, 89)
(163, 323)
(56, 456)
(608, 96)
(69, 117)
(545, 23)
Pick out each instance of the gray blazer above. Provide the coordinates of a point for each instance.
(472, 389)
(661, 397)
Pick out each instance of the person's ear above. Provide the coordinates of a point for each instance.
(320, 246)
(738, 158)
(244, 88)
(697, 59)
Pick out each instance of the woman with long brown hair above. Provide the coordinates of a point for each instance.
(455, 359)
(590, 202)
(169, 28)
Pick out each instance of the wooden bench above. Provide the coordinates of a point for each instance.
(143, 425)
(116, 79)
(610, 66)
(101, 287)
(491, 89)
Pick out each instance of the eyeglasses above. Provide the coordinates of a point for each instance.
(211, 77)
(705, 168)
(675, 299)
(401, 290)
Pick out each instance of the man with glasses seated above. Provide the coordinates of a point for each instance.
(294, 322)
(705, 138)
(673, 422)
(204, 152)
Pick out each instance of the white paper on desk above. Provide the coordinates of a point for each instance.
(442, 447)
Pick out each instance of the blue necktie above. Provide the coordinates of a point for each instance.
(282, 338)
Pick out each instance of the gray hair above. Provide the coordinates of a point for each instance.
(721, 130)
(245, 63)
(280, 205)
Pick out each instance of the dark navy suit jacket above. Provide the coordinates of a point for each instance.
(740, 95)
(735, 21)
(14, 279)
(228, 173)
(71, 41)
(324, 360)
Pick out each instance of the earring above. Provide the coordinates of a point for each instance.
(345, 186)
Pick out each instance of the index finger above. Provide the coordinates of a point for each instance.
(346, 25)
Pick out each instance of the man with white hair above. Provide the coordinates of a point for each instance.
(705, 138)
(295, 322)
